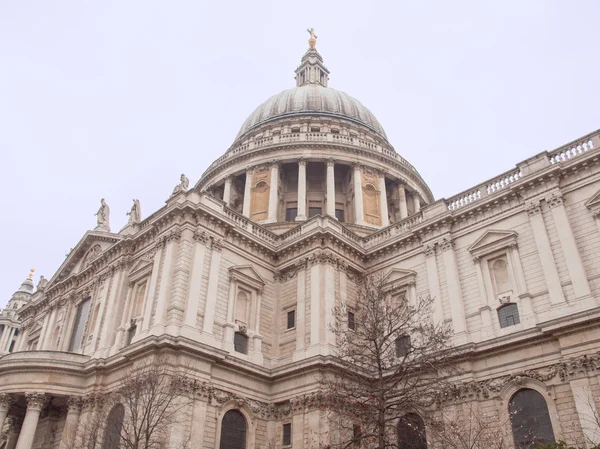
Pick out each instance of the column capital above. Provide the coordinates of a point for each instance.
(302, 161)
(5, 401)
(229, 178)
(357, 166)
(330, 162)
(429, 249)
(555, 200)
(533, 208)
(274, 163)
(447, 243)
(74, 403)
(36, 400)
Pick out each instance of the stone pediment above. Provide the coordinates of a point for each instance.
(493, 240)
(248, 275)
(594, 202)
(397, 277)
(91, 245)
(141, 268)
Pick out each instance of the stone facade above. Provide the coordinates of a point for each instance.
(310, 196)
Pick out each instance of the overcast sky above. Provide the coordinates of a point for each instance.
(116, 98)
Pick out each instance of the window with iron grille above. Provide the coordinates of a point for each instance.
(291, 213)
(402, 346)
(240, 343)
(314, 211)
(530, 419)
(287, 434)
(508, 315)
(233, 430)
(351, 322)
(291, 319)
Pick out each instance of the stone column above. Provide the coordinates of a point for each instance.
(301, 190)
(47, 345)
(111, 321)
(74, 404)
(416, 202)
(6, 338)
(331, 187)
(402, 201)
(152, 288)
(227, 190)
(22, 341)
(383, 205)
(300, 311)
(581, 287)
(434, 283)
(162, 300)
(555, 291)
(273, 194)
(247, 194)
(212, 289)
(14, 428)
(457, 309)
(35, 403)
(359, 214)
(5, 401)
(191, 307)
(43, 332)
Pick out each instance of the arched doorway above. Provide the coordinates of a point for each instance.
(114, 425)
(411, 432)
(530, 420)
(233, 430)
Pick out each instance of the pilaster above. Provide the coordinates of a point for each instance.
(429, 249)
(359, 210)
(300, 312)
(273, 194)
(166, 279)
(301, 190)
(457, 309)
(149, 303)
(331, 188)
(212, 290)
(402, 201)
(383, 207)
(189, 328)
(247, 194)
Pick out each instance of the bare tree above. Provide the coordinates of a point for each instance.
(467, 426)
(392, 360)
(141, 412)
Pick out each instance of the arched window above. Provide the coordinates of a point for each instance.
(233, 430)
(508, 315)
(411, 432)
(114, 425)
(371, 204)
(530, 420)
(499, 271)
(241, 307)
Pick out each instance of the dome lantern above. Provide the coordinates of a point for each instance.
(311, 69)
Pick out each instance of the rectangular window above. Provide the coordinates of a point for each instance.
(314, 211)
(339, 214)
(291, 319)
(402, 346)
(335, 131)
(80, 319)
(240, 343)
(287, 434)
(295, 129)
(12, 346)
(138, 301)
(291, 213)
(351, 322)
(315, 129)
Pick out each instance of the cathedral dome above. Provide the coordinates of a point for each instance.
(313, 99)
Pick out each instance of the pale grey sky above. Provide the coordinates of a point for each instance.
(116, 98)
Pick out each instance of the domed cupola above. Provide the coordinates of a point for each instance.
(312, 150)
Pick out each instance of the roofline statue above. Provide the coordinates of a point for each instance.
(182, 186)
(103, 215)
(135, 214)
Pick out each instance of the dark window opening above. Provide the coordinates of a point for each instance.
(240, 343)
(114, 425)
(12, 346)
(402, 346)
(351, 322)
(530, 420)
(291, 319)
(335, 131)
(291, 213)
(314, 211)
(339, 214)
(315, 129)
(296, 129)
(287, 434)
(131, 334)
(16, 332)
(233, 430)
(508, 315)
(411, 432)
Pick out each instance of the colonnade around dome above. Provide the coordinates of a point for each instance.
(236, 279)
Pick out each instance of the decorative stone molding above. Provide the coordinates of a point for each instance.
(201, 236)
(216, 244)
(36, 400)
(330, 162)
(75, 403)
(533, 208)
(5, 401)
(429, 249)
(446, 244)
(555, 200)
(302, 161)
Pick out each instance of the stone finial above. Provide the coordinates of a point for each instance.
(312, 42)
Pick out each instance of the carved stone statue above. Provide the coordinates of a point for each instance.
(42, 283)
(313, 38)
(103, 215)
(182, 186)
(135, 214)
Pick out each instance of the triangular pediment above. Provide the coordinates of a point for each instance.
(492, 240)
(594, 201)
(141, 268)
(398, 276)
(247, 274)
(90, 247)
